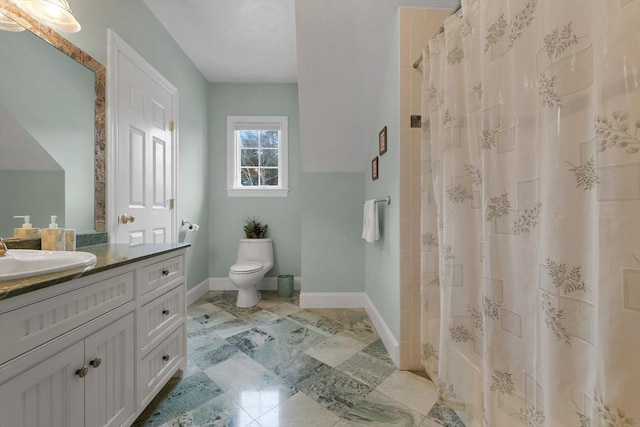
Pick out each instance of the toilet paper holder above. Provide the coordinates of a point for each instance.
(191, 226)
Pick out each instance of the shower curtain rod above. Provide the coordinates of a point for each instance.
(440, 30)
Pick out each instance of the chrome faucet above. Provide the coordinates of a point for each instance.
(3, 246)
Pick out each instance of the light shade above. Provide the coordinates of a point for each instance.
(52, 13)
(8, 24)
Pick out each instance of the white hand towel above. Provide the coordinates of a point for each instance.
(370, 228)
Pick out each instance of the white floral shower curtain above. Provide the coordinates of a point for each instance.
(531, 213)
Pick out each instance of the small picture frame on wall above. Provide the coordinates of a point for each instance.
(374, 168)
(382, 141)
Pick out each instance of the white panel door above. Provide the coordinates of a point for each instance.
(145, 124)
(50, 394)
(109, 384)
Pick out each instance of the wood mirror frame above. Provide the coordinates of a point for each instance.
(83, 58)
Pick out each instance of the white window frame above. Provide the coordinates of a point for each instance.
(234, 186)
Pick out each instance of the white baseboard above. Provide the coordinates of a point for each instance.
(389, 341)
(267, 284)
(197, 291)
(332, 299)
(221, 284)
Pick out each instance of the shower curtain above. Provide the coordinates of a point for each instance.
(531, 213)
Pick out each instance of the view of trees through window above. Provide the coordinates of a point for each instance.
(258, 157)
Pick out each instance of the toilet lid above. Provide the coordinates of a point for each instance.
(249, 267)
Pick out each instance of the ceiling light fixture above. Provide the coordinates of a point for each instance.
(55, 14)
(8, 24)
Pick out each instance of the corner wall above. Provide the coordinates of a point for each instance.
(382, 258)
(332, 250)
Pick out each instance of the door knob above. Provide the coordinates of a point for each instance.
(127, 218)
(82, 372)
(96, 362)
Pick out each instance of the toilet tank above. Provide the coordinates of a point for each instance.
(255, 250)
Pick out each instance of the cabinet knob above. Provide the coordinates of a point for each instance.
(166, 357)
(96, 362)
(166, 312)
(82, 372)
(165, 272)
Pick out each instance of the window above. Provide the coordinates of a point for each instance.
(257, 156)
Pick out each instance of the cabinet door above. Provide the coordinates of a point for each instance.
(50, 394)
(109, 384)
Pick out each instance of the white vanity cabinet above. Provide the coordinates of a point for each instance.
(161, 324)
(93, 351)
(109, 386)
(48, 393)
(89, 383)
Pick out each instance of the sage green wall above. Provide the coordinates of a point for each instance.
(282, 214)
(332, 246)
(134, 22)
(382, 258)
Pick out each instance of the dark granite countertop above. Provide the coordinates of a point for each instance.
(109, 257)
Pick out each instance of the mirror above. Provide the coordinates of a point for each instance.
(50, 112)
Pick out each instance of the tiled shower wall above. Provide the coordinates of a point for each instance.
(417, 26)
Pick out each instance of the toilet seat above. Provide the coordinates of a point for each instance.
(246, 268)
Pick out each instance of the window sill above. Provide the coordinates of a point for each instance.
(262, 192)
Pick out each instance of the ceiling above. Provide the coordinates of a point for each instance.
(234, 40)
(336, 50)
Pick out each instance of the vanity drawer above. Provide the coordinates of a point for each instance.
(156, 367)
(26, 328)
(158, 315)
(155, 275)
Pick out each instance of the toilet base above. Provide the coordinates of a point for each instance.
(248, 297)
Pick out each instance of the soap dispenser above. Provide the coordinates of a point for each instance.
(53, 238)
(27, 231)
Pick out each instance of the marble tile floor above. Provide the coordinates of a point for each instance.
(276, 365)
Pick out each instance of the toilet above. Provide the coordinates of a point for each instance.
(253, 261)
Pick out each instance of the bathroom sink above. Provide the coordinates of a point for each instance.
(20, 263)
